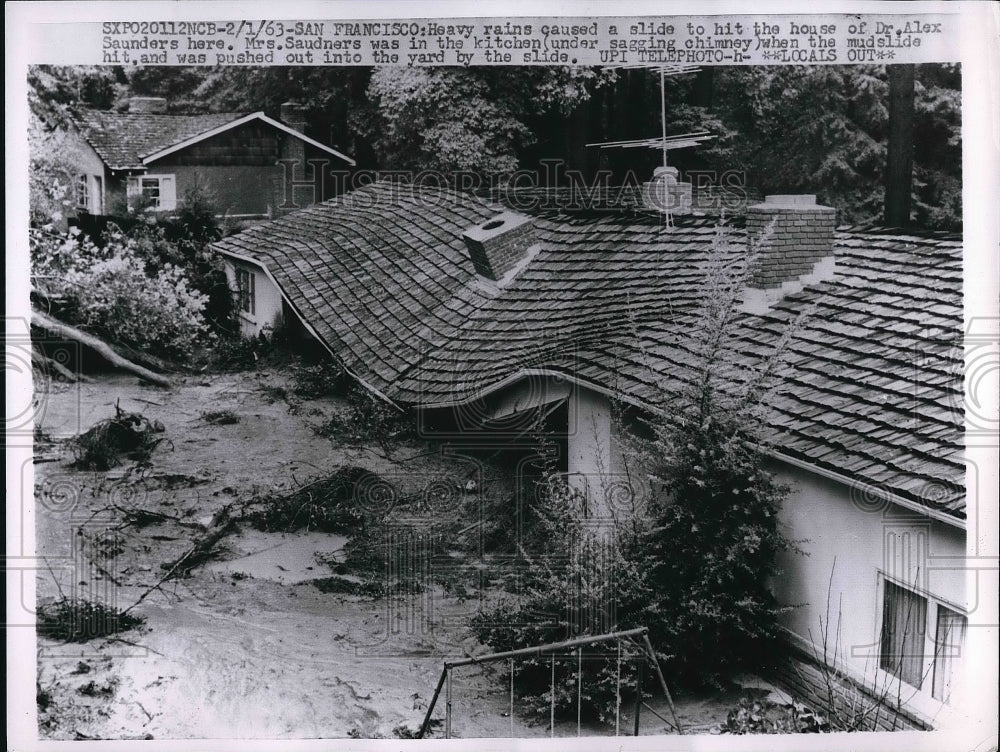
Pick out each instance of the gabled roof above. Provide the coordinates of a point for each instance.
(130, 141)
(874, 389)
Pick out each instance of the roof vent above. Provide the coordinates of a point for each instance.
(666, 193)
(498, 245)
(798, 251)
(147, 105)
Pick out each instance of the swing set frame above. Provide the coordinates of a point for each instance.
(567, 647)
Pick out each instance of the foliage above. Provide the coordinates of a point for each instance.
(369, 420)
(52, 174)
(77, 620)
(338, 502)
(475, 120)
(125, 436)
(714, 535)
(579, 583)
(752, 716)
(117, 291)
(319, 380)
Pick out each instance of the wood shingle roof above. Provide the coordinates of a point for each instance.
(873, 388)
(123, 139)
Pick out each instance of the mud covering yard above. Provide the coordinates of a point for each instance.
(246, 645)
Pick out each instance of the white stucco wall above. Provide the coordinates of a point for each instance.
(267, 299)
(596, 465)
(87, 162)
(859, 541)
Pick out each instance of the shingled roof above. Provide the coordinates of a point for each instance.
(874, 388)
(123, 139)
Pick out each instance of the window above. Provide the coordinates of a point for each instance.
(157, 192)
(904, 618)
(949, 641)
(245, 290)
(921, 639)
(82, 193)
(150, 188)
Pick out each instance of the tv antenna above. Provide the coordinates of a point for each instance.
(663, 143)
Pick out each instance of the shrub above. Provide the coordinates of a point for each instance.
(714, 533)
(114, 291)
(581, 583)
(369, 420)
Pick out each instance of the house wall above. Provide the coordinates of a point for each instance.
(87, 162)
(853, 544)
(231, 189)
(239, 169)
(596, 466)
(267, 299)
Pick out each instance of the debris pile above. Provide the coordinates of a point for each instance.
(127, 436)
(335, 503)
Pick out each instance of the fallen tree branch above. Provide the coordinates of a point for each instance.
(222, 524)
(46, 363)
(44, 321)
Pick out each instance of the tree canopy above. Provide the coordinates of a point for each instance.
(815, 129)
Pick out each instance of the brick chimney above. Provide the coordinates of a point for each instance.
(802, 235)
(147, 105)
(293, 115)
(499, 245)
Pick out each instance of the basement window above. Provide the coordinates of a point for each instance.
(921, 639)
(245, 291)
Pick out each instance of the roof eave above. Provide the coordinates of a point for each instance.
(161, 153)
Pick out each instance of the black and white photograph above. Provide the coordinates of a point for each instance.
(592, 385)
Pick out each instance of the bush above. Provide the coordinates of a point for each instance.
(369, 420)
(752, 716)
(714, 533)
(579, 584)
(115, 292)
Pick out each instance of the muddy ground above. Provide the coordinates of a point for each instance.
(246, 645)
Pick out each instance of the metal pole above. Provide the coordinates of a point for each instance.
(447, 706)
(663, 683)
(638, 695)
(511, 698)
(430, 708)
(552, 699)
(618, 687)
(579, 687)
(553, 647)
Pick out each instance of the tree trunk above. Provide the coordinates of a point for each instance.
(899, 157)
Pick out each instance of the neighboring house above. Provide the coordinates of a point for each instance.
(470, 313)
(149, 154)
